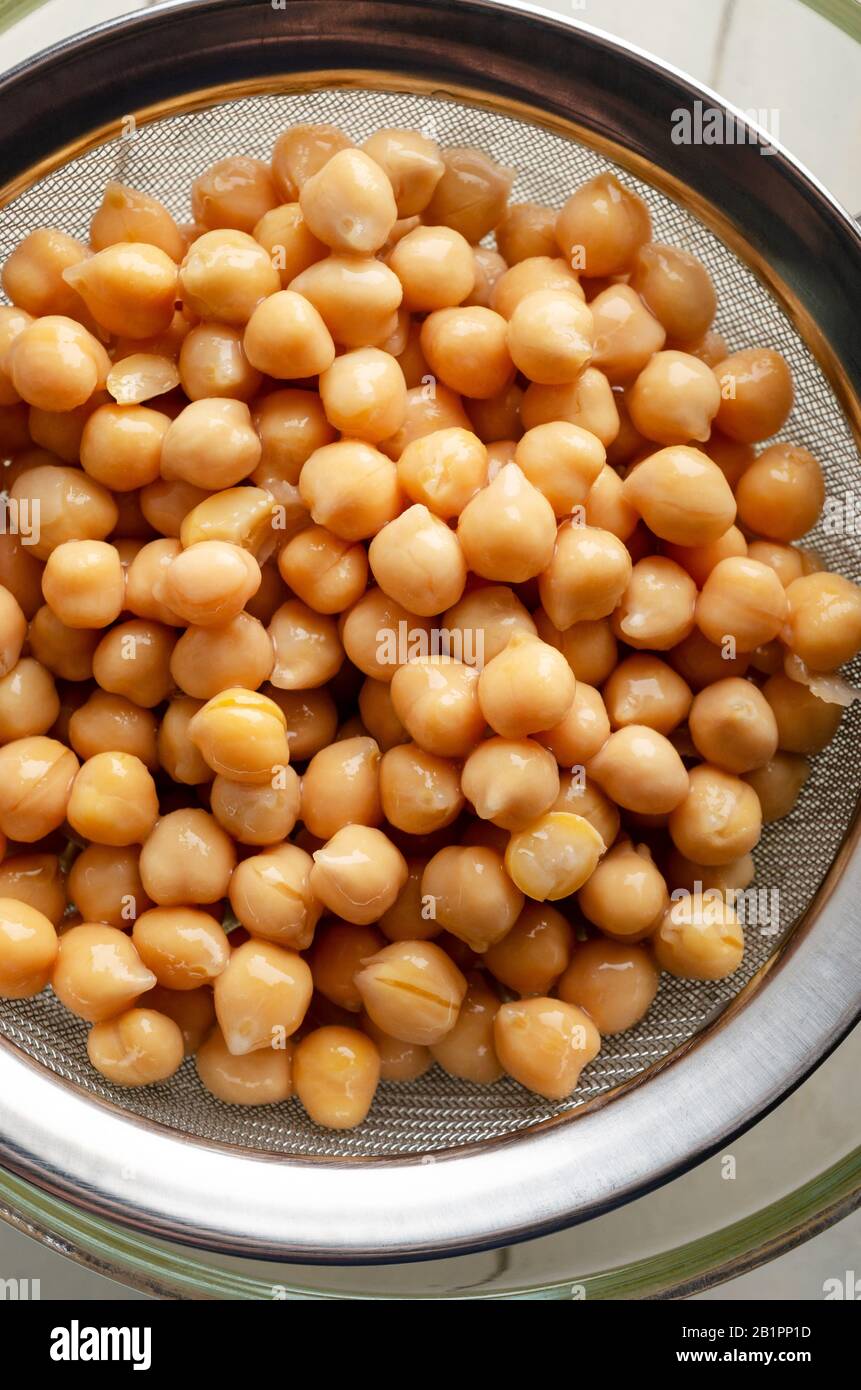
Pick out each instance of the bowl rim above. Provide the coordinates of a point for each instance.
(799, 1005)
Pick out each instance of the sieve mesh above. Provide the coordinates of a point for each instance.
(440, 1112)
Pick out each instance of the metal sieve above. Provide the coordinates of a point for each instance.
(445, 1166)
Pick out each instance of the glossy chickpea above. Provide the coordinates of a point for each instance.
(484, 621)
(581, 732)
(28, 949)
(700, 560)
(369, 632)
(341, 786)
(339, 952)
(307, 650)
(183, 947)
(29, 703)
(436, 700)
(121, 445)
(351, 488)
(291, 424)
(526, 230)
(224, 276)
(36, 777)
(733, 726)
(133, 660)
(510, 781)
(436, 268)
(533, 954)
(70, 506)
(528, 687)
(83, 583)
(241, 734)
(192, 1010)
(418, 561)
(420, 792)
(640, 770)
(658, 606)
(742, 599)
(645, 690)
(105, 885)
(65, 651)
(179, 757)
(364, 394)
(467, 349)
(207, 660)
(326, 572)
(674, 398)
(412, 164)
(187, 857)
(20, 573)
(379, 716)
(470, 894)
(614, 983)
(165, 504)
(468, 1050)
(682, 496)
(12, 322)
(781, 493)
(508, 530)
(786, 560)
(498, 418)
(137, 1048)
(129, 288)
(261, 997)
(242, 516)
(257, 815)
(607, 507)
(413, 991)
(625, 334)
(677, 289)
(471, 195)
(430, 408)
(602, 227)
(349, 203)
(113, 800)
(356, 296)
(212, 362)
(584, 798)
(700, 662)
(587, 576)
(563, 461)
(588, 402)
(37, 880)
(550, 337)
(399, 1061)
(234, 192)
(626, 895)
(210, 582)
(553, 856)
(211, 444)
(756, 394)
(358, 874)
(443, 471)
(336, 1072)
(530, 275)
(411, 916)
(13, 631)
(545, 1044)
(805, 723)
(699, 878)
(126, 214)
(257, 1078)
(301, 152)
(778, 784)
(311, 719)
(98, 972)
(699, 938)
(824, 621)
(272, 897)
(292, 246)
(285, 337)
(33, 273)
(720, 818)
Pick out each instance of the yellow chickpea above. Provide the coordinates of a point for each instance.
(430, 408)
(364, 394)
(534, 953)
(470, 894)
(528, 687)
(336, 1072)
(778, 784)
(700, 560)
(508, 530)
(242, 516)
(412, 164)
(55, 365)
(138, 1048)
(587, 576)
(526, 230)
(677, 288)
(410, 917)
(786, 560)
(584, 798)
(13, 631)
(349, 203)
(257, 1078)
(443, 470)
(210, 582)
(418, 561)
(224, 276)
(553, 856)
(271, 895)
(70, 506)
(468, 1050)
(211, 443)
(645, 690)
(183, 947)
(129, 288)
(341, 786)
(186, 858)
(805, 723)
(256, 815)
(121, 445)
(285, 235)
(674, 398)
(351, 489)
(413, 991)
(781, 493)
(471, 195)
(510, 781)
(602, 227)
(98, 972)
(105, 885)
(581, 732)
(206, 660)
(285, 337)
(588, 402)
(658, 606)
(212, 362)
(550, 337)
(824, 621)
(339, 952)
(241, 735)
(301, 152)
(435, 265)
(534, 273)
(467, 349)
(261, 997)
(607, 507)
(358, 874)
(614, 983)
(65, 651)
(29, 703)
(545, 1044)
(626, 335)
(435, 699)
(291, 424)
(126, 214)
(742, 599)
(356, 296)
(700, 662)
(379, 717)
(420, 791)
(36, 777)
(306, 648)
(719, 820)
(12, 322)
(371, 630)
(626, 895)
(133, 660)
(682, 496)
(113, 800)
(640, 770)
(83, 583)
(733, 726)
(234, 192)
(484, 621)
(28, 949)
(399, 1061)
(756, 394)
(33, 274)
(699, 878)
(166, 504)
(327, 573)
(700, 938)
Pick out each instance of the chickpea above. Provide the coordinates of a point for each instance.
(285, 235)
(358, 874)
(410, 917)
(602, 227)
(137, 1048)
(550, 336)
(508, 530)
(645, 690)
(545, 1044)
(339, 952)
(528, 687)
(356, 296)
(510, 781)
(364, 394)
(271, 895)
(209, 583)
(257, 1078)
(224, 276)
(83, 583)
(755, 394)
(192, 1010)
(133, 660)
(436, 268)
(286, 337)
(29, 703)
(626, 895)
(443, 470)
(212, 362)
(430, 407)
(530, 275)
(614, 982)
(471, 195)
(242, 516)
(105, 885)
(786, 560)
(484, 621)
(399, 1061)
(349, 203)
(497, 419)
(533, 954)
(470, 894)
(778, 784)
(187, 858)
(311, 719)
(301, 152)
(183, 947)
(580, 797)
(700, 662)
(742, 599)
(674, 399)
(682, 496)
(206, 660)
(127, 215)
(139, 376)
(420, 791)
(626, 335)
(70, 506)
(527, 230)
(588, 402)
(587, 576)
(211, 443)
(417, 560)
(336, 1074)
(129, 288)
(28, 949)
(36, 777)
(699, 878)
(607, 507)
(413, 991)
(33, 274)
(733, 726)
(121, 445)
(327, 573)
(257, 815)
(261, 997)
(824, 623)
(370, 631)
(307, 649)
(781, 493)
(677, 288)
(467, 349)
(553, 855)
(581, 732)
(20, 573)
(435, 698)
(378, 715)
(658, 606)
(468, 1050)
(563, 461)
(234, 192)
(351, 489)
(291, 424)
(66, 652)
(700, 938)
(720, 818)
(241, 734)
(165, 504)
(179, 757)
(12, 322)
(641, 770)
(98, 972)
(113, 800)
(341, 786)
(13, 631)
(700, 560)
(412, 164)
(805, 723)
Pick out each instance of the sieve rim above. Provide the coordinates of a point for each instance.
(788, 1018)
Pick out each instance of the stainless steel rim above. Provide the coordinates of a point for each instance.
(219, 1198)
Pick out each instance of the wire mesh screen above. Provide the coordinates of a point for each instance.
(440, 1112)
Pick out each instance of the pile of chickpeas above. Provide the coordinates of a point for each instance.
(241, 455)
